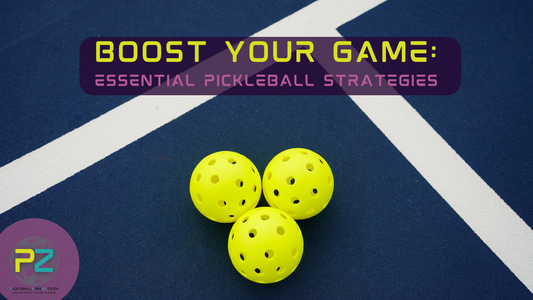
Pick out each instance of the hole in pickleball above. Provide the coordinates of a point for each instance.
(232, 161)
(314, 192)
(303, 152)
(239, 183)
(296, 201)
(310, 167)
(276, 193)
(245, 219)
(212, 162)
(285, 158)
(269, 254)
(231, 216)
(253, 170)
(283, 216)
(255, 188)
(198, 176)
(329, 180)
(257, 270)
(265, 217)
(280, 269)
(294, 252)
(310, 210)
(242, 202)
(199, 198)
(281, 230)
(320, 161)
(290, 180)
(269, 175)
(243, 258)
(221, 203)
(232, 235)
(214, 179)
(252, 233)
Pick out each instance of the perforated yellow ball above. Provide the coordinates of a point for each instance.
(265, 245)
(224, 185)
(299, 182)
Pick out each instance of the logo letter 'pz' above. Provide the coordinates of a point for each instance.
(37, 267)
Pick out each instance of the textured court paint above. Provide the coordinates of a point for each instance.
(320, 18)
(506, 234)
(481, 208)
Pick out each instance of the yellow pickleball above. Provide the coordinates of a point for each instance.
(299, 182)
(265, 245)
(224, 185)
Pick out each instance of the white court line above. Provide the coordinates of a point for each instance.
(58, 160)
(508, 236)
(498, 226)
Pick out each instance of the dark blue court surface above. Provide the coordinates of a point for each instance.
(386, 234)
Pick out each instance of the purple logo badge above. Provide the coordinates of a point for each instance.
(38, 260)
